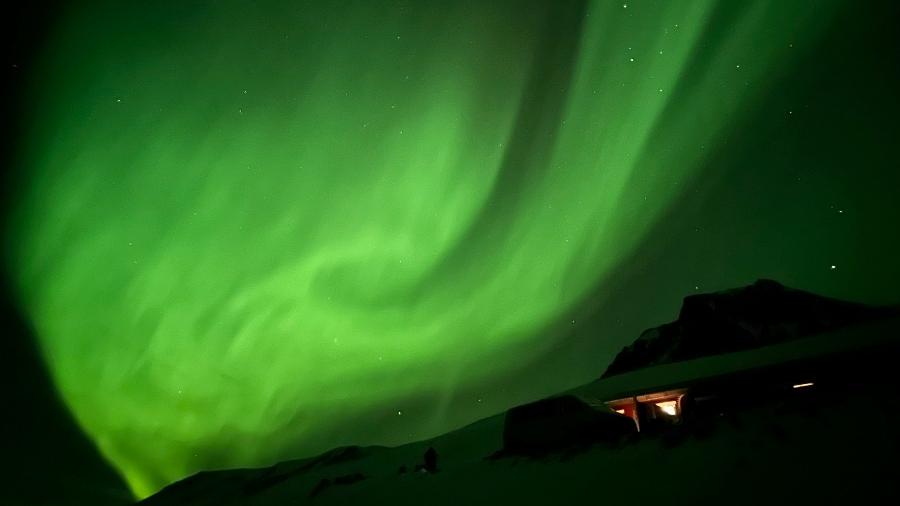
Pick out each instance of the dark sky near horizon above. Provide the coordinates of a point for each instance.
(238, 232)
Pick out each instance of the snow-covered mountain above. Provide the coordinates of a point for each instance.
(761, 314)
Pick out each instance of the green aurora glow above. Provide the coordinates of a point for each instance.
(241, 223)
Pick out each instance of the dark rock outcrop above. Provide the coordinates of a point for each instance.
(325, 483)
(274, 475)
(761, 314)
(558, 424)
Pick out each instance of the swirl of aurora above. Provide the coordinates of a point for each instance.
(237, 223)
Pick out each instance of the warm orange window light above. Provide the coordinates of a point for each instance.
(668, 407)
(804, 385)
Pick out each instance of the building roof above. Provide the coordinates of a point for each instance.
(838, 346)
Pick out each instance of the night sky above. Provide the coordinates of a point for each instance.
(241, 232)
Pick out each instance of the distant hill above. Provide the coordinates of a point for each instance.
(761, 314)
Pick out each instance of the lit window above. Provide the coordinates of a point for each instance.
(620, 411)
(668, 407)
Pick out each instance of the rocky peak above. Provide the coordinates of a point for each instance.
(753, 316)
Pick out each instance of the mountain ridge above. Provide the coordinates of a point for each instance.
(761, 314)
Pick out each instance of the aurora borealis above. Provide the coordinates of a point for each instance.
(251, 231)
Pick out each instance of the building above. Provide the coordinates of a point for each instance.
(649, 408)
(837, 363)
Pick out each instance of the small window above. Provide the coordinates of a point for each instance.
(668, 407)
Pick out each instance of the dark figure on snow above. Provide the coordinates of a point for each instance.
(431, 457)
